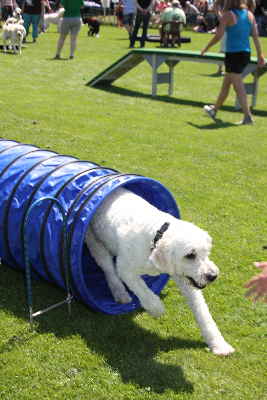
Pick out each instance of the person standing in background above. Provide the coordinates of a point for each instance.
(143, 14)
(32, 10)
(71, 24)
(129, 10)
(260, 13)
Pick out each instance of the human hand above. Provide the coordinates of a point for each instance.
(258, 284)
(261, 61)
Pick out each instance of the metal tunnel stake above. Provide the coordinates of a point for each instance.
(28, 274)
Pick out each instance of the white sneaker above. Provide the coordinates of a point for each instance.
(210, 111)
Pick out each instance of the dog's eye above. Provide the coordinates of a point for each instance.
(191, 256)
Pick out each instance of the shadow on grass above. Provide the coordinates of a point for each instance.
(167, 99)
(58, 59)
(126, 347)
(219, 124)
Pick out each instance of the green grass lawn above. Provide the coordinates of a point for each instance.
(216, 172)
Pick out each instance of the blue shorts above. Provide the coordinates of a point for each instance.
(128, 19)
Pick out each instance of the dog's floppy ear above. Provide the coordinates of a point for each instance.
(161, 258)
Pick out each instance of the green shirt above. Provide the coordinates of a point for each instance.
(72, 8)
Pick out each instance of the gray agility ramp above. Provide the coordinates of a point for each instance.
(116, 70)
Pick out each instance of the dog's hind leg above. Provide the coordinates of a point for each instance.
(105, 260)
(208, 327)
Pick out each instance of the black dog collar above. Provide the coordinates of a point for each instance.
(159, 234)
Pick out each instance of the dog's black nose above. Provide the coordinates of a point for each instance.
(211, 277)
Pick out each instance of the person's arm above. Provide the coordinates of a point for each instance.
(193, 9)
(22, 6)
(218, 8)
(150, 7)
(47, 5)
(138, 7)
(219, 33)
(255, 36)
(145, 10)
(258, 284)
(14, 4)
(162, 16)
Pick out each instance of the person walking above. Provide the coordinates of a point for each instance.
(143, 14)
(32, 11)
(238, 23)
(71, 24)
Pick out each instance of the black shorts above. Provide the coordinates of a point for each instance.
(236, 62)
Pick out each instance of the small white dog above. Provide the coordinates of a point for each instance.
(17, 15)
(13, 34)
(53, 18)
(145, 240)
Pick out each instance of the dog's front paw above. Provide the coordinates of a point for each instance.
(155, 307)
(122, 297)
(222, 349)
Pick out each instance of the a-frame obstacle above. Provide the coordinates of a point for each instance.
(171, 57)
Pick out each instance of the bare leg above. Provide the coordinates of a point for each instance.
(129, 29)
(239, 87)
(241, 94)
(60, 43)
(4, 45)
(227, 81)
(73, 43)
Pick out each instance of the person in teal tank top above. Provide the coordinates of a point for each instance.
(71, 24)
(237, 38)
(238, 23)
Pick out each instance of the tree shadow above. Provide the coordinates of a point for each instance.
(126, 347)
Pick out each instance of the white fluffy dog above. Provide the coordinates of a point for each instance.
(13, 34)
(145, 240)
(17, 15)
(53, 18)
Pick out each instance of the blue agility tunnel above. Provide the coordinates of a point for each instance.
(28, 173)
